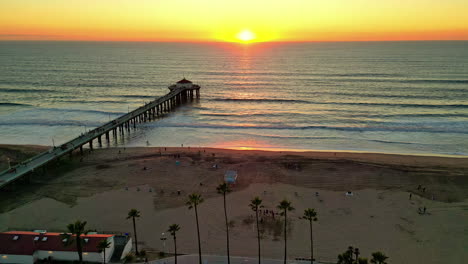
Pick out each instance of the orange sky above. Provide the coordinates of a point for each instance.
(222, 20)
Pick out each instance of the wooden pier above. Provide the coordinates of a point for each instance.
(180, 93)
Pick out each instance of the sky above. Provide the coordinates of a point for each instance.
(222, 20)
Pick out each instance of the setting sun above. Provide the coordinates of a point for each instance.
(246, 36)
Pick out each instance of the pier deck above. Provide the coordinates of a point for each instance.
(142, 114)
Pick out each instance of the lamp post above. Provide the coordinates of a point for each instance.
(163, 239)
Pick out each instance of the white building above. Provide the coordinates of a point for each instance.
(27, 247)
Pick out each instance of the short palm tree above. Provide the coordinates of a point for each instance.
(285, 206)
(75, 231)
(173, 230)
(224, 189)
(362, 261)
(134, 213)
(103, 244)
(356, 253)
(310, 215)
(255, 205)
(194, 200)
(378, 258)
(346, 257)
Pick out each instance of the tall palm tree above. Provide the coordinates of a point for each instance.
(134, 213)
(285, 206)
(224, 189)
(311, 215)
(194, 200)
(173, 230)
(76, 230)
(103, 244)
(255, 204)
(378, 258)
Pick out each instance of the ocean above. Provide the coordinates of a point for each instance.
(390, 97)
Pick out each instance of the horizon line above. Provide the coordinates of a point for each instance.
(230, 42)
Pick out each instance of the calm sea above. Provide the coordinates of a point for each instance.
(394, 97)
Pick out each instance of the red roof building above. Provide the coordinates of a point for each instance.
(20, 244)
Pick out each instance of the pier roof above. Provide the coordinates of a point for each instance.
(184, 81)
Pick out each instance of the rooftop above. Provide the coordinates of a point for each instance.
(184, 81)
(26, 243)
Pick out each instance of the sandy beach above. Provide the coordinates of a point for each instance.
(102, 186)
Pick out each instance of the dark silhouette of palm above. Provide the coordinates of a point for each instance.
(255, 204)
(194, 200)
(378, 258)
(103, 244)
(173, 230)
(75, 231)
(285, 206)
(310, 215)
(134, 213)
(224, 189)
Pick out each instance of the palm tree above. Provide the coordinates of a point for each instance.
(134, 213)
(311, 215)
(256, 204)
(362, 261)
(356, 252)
(378, 258)
(194, 200)
(76, 230)
(103, 244)
(285, 205)
(346, 257)
(173, 229)
(223, 189)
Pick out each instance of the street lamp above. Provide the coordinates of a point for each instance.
(163, 239)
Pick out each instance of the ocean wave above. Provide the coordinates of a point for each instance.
(83, 111)
(400, 96)
(401, 128)
(258, 100)
(14, 104)
(13, 90)
(266, 100)
(397, 105)
(89, 124)
(135, 96)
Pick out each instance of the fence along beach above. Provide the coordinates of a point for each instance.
(181, 92)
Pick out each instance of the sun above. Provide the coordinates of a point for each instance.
(246, 36)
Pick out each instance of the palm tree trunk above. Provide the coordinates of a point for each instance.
(104, 260)
(258, 235)
(136, 240)
(311, 244)
(285, 236)
(175, 249)
(198, 233)
(227, 228)
(79, 248)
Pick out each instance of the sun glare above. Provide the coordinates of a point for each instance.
(246, 36)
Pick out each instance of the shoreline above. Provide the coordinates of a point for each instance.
(319, 153)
